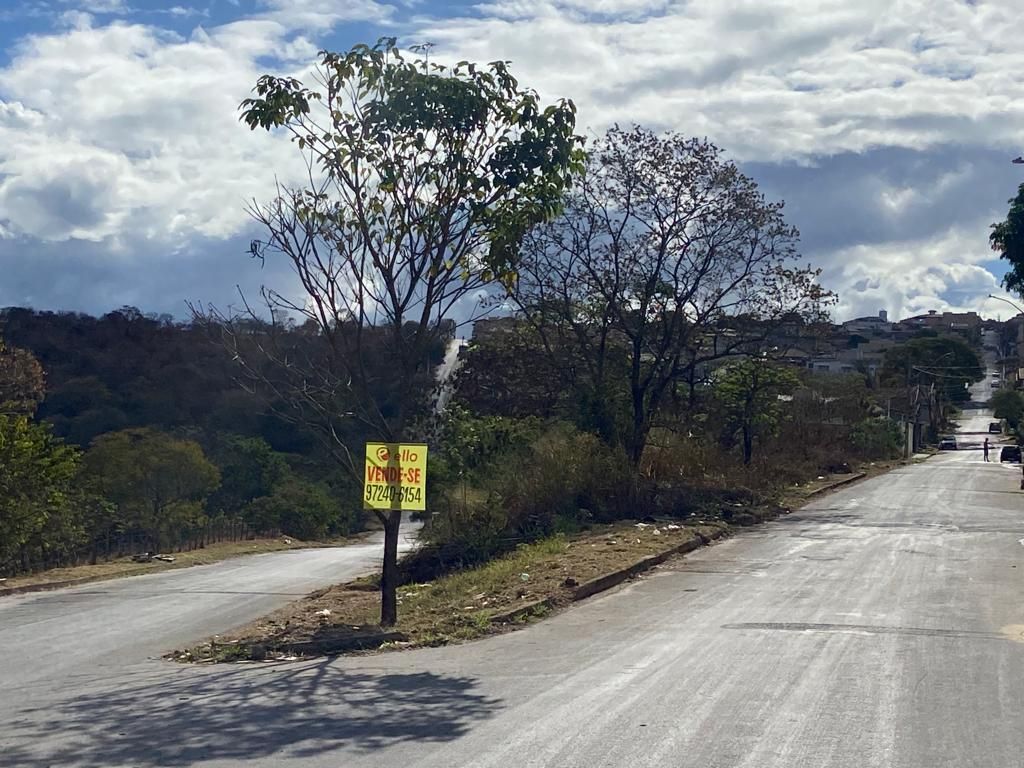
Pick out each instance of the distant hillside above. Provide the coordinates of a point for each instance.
(129, 369)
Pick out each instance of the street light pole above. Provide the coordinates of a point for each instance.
(1012, 304)
(1000, 298)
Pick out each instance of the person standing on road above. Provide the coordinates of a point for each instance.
(986, 449)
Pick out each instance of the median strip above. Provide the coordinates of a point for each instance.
(510, 591)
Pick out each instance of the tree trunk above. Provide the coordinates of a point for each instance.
(389, 572)
(638, 433)
(748, 443)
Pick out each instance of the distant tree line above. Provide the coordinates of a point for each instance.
(132, 430)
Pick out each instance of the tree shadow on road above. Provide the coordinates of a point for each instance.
(244, 713)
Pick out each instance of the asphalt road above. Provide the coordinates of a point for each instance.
(881, 626)
(94, 630)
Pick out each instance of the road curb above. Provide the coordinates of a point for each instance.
(5, 591)
(613, 579)
(507, 617)
(606, 581)
(837, 484)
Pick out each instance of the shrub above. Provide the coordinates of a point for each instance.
(876, 439)
(567, 477)
(302, 509)
(558, 480)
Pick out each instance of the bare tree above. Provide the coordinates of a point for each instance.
(665, 258)
(422, 181)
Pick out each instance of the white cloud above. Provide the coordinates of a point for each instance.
(125, 132)
(949, 271)
(769, 79)
(99, 6)
(135, 131)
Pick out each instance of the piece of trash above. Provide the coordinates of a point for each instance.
(524, 577)
(673, 527)
(821, 477)
(642, 525)
(657, 532)
(148, 557)
(287, 540)
(324, 613)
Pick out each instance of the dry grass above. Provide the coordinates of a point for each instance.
(212, 553)
(454, 608)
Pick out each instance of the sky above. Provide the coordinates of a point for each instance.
(886, 126)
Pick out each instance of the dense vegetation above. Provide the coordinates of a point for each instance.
(145, 441)
(750, 430)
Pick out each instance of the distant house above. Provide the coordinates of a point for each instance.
(966, 323)
(864, 357)
(871, 325)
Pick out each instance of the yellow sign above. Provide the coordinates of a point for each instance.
(396, 476)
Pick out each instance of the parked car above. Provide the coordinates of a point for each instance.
(948, 443)
(1010, 453)
(995, 428)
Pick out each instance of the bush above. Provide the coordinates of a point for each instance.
(567, 477)
(877, 439)
(302, 509)
(527, 482)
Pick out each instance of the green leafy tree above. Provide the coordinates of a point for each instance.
(747, 392)
(424, 179)
(1007, 239)
(1008, 404)
(158, 483)
(249, 469)
(945, 361)
(877, 438)
(21, 382)
(38, 513)
(302, 509)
